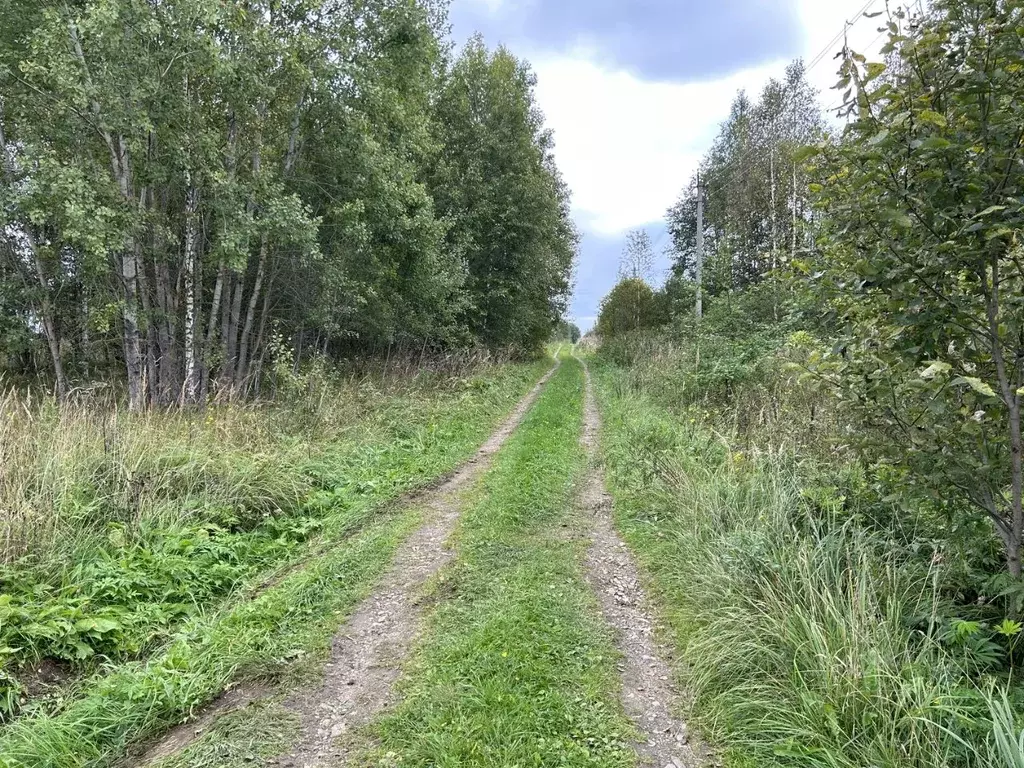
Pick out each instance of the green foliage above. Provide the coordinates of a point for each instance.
(181, 181)
(257, 636)
(632, 305)
(756, 199)
(920, 260)
(566, 332)
(738, 369)
(497, 182)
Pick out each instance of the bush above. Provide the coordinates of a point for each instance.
(631, 306)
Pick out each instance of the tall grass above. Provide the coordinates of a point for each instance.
(66, 471)
(808, 639)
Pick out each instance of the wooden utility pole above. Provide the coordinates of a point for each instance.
(700, 248)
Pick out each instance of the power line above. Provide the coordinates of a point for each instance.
(847, 26)
(818, 58)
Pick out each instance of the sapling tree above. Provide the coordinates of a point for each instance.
(637, 258)
(922, 257)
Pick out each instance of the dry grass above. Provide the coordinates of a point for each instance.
(69, 470)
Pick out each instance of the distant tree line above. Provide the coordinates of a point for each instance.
(192, 188)
(566, 331)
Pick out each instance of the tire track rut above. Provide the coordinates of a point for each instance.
(648, 694)
(369, 649)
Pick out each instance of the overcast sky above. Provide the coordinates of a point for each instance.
(634, 91)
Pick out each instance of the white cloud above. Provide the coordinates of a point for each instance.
(626, 146)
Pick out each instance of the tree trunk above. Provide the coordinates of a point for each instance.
(166, 304)
(152, 353)
(166, 334)
(264, 314)
(1009, 390)
(86, 341)
(1016, 531)
(49, 322)
(250, 313)
(132, 338)
(211, 332)
(793, 252)
(190, 389)
(775, 240)
(230, 327)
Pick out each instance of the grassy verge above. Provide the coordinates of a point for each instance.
(414, 441)
(254, 638)
(516, 669)
(799, 629)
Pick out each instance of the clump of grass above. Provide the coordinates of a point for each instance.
(516, 668)
(241, 739)
(809, 640)
(747, 380)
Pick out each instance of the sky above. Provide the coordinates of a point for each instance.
(634, 91)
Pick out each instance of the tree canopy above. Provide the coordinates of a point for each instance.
(632, 305)
(919, 257)
(185, 181)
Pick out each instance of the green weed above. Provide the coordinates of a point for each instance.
(254, 639)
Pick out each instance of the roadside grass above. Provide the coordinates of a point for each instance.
(797, 629)
(254, 639)
(515, 668)
(405, 438)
